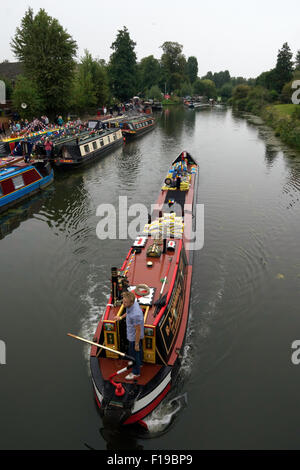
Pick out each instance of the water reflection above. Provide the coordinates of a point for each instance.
(189, 121)
(12, 218)
(128, 163)
(171, 121)
(118, 439)
(270, 156)
(67, 207)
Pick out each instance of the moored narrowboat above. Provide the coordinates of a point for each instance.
(19, 180)
(158, 269)
(137, 126)
(87, 148)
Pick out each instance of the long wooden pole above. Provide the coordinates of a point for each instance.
(96, 344)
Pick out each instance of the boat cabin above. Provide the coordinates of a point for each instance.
(137, 125)
(19, 179)
(156, 269)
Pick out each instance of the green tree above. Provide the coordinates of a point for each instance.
(122, 67)
(221, 78)
(47, 52)
(186, 89)
(208, 76)
(198, 87)
(238, 81)
(240, 92)
(84, 93)
(284, 67)
(154, 93)
(26, 91)
(100, 77)
(226, 91)
(91, 83)
(192, 68)
(287, 90)
(205, 87)
(262, 80)
(149, 72)
(297, 61)
(174, 64)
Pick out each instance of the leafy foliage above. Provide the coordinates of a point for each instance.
(297, 61)
(173, 64)
(154, 93)
(284, 67)
(26, 91)
(122, 67)
(192, 68)
(149, 73)
(205, 87)
(90, 87)
(47, 52)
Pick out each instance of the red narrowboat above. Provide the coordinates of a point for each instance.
(158, 269)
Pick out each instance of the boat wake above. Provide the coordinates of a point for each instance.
(159, 421)
(95, 300)
(164, 415)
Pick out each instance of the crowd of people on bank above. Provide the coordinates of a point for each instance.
(17, 126)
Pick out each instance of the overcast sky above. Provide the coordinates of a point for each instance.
(240, 36)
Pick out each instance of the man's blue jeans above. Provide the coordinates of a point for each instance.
(137, 355)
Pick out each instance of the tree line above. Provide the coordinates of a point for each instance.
(271, 87)
(54, 81)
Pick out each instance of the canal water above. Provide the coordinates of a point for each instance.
(238, 387)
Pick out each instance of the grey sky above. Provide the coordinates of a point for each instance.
(238, 35)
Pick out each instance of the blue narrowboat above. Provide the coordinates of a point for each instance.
(20, 180)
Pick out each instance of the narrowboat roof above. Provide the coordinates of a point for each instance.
(139, 273)
(98, 135)
(140, 119)
(14, 170)
(136, 265)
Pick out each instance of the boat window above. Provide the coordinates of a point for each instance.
(108, 138)
(115, 137)
(86, 149)
(131, 127)
(95, 146)
(101, 143)
(18, 182)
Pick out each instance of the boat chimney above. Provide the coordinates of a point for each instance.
(114, 285)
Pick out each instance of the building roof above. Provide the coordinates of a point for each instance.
(10, 70)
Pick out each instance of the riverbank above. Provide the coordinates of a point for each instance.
(285, 120)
